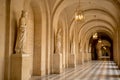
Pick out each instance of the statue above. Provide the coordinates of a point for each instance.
(21, 33)
(58, 41)
(72, 46)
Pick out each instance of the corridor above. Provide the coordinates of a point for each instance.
(94, 70)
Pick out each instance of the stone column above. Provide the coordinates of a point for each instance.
(57, 56)
(85, 56)
(115, 47)
(72, 60)
(90, 55)
(81, 61)
(72, 56)
(118, 48)
(20, 60)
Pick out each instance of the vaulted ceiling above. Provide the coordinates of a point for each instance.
(100, 15)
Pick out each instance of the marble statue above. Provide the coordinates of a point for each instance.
(21, 33)
(72, 45)
(58, 41)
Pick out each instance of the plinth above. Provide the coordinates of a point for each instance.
(57, 63)
(72, 60)
(20, 67)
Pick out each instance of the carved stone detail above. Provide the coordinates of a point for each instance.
(58, 44)
(21, 34)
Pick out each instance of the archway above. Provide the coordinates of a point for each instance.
(101, 47)
(40, 62)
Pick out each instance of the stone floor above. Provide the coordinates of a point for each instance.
(94, 70)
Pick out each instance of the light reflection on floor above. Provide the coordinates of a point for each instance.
(94, 70)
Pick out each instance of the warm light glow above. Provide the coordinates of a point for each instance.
(104, 47)
(79, 16)
(95, 36)
(100, 41)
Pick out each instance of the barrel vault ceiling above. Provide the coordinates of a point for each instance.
(100, 15)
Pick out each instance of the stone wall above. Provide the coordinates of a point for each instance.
(2, 37)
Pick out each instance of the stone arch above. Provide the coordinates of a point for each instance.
(107, 27)
(93, 29)
(111, 28)
(90, 32)
(61, 7)
(40, 41)
(105, 12)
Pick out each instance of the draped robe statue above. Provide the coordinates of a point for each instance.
(21, 34)
(72, 46)
(58, 42)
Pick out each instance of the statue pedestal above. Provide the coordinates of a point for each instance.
(90, 57)
(57, 63)
(72, 60)
(80, 61)
(20, 67)
(85, 57)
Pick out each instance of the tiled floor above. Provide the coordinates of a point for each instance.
(94, 70)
